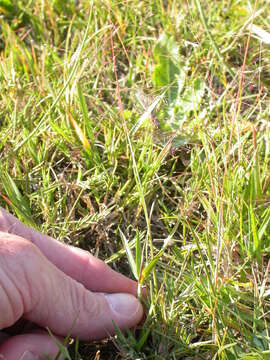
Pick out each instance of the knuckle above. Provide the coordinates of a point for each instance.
(85, 303)
(11, 245)
(92, 305)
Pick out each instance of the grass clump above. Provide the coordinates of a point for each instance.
(139, 130)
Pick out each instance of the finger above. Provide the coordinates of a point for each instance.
(3, 336)
(29, 347)
(77, 263)
(46, 296)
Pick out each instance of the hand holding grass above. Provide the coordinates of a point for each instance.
(59, 287)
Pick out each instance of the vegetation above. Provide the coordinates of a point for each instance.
(139, 130)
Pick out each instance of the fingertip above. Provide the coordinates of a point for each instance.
(127, 309)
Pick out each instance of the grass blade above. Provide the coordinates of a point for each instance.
(80, 134)
(130, 257)
(138, 253)
(147, 270)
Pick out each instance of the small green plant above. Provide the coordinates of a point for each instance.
(170, 75)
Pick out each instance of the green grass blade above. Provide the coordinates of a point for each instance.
(143, 339)
(138, 254)
(129, 254)
(19, 202)
(255, 237)
(149, 267)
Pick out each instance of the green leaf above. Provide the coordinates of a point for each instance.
(257, 343)
(6, 6)
(143, 339)
(256, 241)
(84, 111)
(192, 97)
(138, 253)
(265, 224)
(169, 76)
(168, 72)
(147, 270)
(257, 179)
(19, 202)
(130, 257)
(182, 140)
(63, 351)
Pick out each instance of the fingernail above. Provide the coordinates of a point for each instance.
(123, 304)
(28, 355)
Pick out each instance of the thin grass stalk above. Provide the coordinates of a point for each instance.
(211, 38)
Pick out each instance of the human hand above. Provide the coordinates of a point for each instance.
(60, 287)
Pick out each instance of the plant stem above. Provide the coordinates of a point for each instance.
(212, 40)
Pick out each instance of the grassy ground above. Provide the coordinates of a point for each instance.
(144, 125)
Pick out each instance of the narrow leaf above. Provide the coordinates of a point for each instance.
(16, 199)
(84, 111)
(256, 242)
(138, 253)
(80, 133)
(129, 254)
(147, 270)
(143, 339)
(264, 225)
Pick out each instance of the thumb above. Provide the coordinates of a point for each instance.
(50, 298)
(86, 315)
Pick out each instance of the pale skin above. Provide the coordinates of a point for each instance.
(59, 287)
